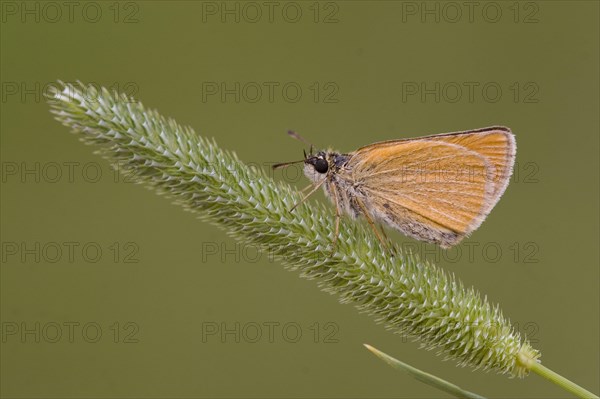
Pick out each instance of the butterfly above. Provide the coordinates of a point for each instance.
(436, 188)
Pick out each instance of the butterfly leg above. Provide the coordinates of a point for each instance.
(385, 242)
(306, 188)
(338, 216)
(392, 248)
(315, 188)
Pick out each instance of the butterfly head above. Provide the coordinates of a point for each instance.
(317, 166)
(318, 163)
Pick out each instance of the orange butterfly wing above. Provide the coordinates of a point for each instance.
(436, 188)
(497, 145)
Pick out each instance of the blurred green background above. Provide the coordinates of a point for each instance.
(110, 291)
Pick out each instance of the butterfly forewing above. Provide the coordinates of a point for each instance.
(436, 188)
(497, 145)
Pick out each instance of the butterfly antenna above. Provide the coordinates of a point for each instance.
(284, 164)
(298, 137)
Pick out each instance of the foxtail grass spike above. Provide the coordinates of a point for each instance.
(409, 295)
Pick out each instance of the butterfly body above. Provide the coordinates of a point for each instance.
(337, 182)
(435, 188)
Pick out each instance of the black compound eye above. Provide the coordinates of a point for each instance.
(321, 165)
